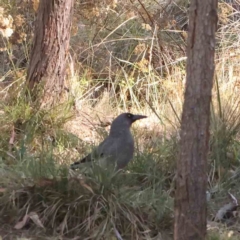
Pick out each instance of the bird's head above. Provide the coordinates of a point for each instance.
(124, 121)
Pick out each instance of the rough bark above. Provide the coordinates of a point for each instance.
(50, 46)
(191, 183)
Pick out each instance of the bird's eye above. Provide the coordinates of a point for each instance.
(129, 115)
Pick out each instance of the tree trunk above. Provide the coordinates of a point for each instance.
(191, 183)
(50, 47)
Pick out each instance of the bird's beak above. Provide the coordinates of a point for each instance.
(138, 117)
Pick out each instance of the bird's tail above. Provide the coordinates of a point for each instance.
(77, 164)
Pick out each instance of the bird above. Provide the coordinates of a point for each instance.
(118, 148)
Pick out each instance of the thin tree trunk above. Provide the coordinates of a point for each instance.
(191, 183)
(50, 46)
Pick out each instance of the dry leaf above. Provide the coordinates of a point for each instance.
(22, 223)
(44, 182)
(35, 219)
(146, 27)
(33, 216)
(227, 210)
(86, 186)
(35, 5)
(2, 190)
(12, 138)
(10, 155)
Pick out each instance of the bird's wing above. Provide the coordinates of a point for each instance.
(110, 151)
(123, 150)
(116, 149)
(95, 154)
(108, 147)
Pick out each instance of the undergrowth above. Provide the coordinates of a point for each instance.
(120, 61)
(136, 203)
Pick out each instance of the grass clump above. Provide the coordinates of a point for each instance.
(99, 205)
(36, 180)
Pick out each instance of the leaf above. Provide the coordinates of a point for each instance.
(45, 182)
(22, 223)
(228, 209)
(35, 5)
(33, 216)
(86, 186)
(3, 190)
(35, 219)
(12, 138)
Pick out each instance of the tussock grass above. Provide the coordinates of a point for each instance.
(101, 204)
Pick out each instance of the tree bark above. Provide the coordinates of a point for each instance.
(50, 46)
(191, 182)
